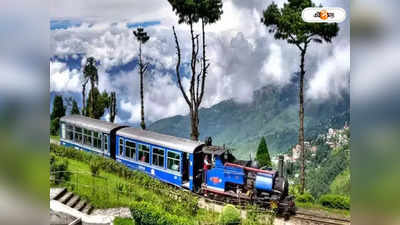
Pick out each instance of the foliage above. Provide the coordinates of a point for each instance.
(240, 126)
(58, 112)
(335, 201)
(95, 166)
(90, 73)
(123, 221)
(74, 109)
(146, 213)
(306, 197)
(101, 102)
(286, 24)
(113, 106)
(262, 155)
(190, 11)
(320, 178)
(341, 185)
(58, 170)
(230, 215)
(140, 35)
(144, 186)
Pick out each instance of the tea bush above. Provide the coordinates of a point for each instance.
(335, 201)
(229, 216)
(306, 197)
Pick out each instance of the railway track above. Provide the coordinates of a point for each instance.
(309, 218)
(318, 219)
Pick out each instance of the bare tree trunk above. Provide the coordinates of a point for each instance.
(194, 121)
(113, 102)
(91, 99)
(141, 70)
(83, 98)
(194, 91)
(301, 118)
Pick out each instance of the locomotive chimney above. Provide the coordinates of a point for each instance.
(280, 166)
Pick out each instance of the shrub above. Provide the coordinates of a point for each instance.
(306, 197)
(145, 213)
(123, 221)
(183, 200)
(95, 166)
(335, 201)
(59, 170)
(229, 216)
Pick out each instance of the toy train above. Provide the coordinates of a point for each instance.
(193, 165)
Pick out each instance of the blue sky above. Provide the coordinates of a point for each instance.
(243, 55)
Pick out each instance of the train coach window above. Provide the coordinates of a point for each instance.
(78, 135)
(173, 161)
(130, 150)
(87, 137)
(144, 153)
(158, 157)
(70, 132)
(96, 140)
(106, 142)
(121, 146)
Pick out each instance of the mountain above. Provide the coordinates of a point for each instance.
(273, 113)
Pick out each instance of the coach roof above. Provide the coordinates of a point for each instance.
(90, 123)
(172, 142)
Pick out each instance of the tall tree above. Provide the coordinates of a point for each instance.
(286, 24)
(74, 109)
(113, 106)
(142, 37)
(190, 12)
(57, 112)
(84, 82)
(100, 103)
(90, 73)
(262, 155)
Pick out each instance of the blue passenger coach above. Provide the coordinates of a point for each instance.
(91, 135)
(164, 157)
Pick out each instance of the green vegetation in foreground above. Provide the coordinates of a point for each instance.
(123, 221)
(55, 138)
(151, 202)
(317, 206)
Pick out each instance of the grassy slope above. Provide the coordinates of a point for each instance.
(105, 195)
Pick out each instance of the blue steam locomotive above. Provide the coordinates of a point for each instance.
(193, 165)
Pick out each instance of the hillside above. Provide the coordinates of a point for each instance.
(273, 113)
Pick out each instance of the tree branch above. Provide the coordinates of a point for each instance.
(178, 64)
(295, 42)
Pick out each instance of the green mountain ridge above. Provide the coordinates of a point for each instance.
(273, 113)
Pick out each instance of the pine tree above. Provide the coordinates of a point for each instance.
(286, 24)
(262, 155)
(100, 103)
(58, 112)
(74, 109)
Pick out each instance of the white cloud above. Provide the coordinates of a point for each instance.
(243, 55)
(62, 78)
(332, 75)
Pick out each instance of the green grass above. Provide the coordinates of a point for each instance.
(106, 194)
(315, 206)
(123, 221)
(55, 138)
